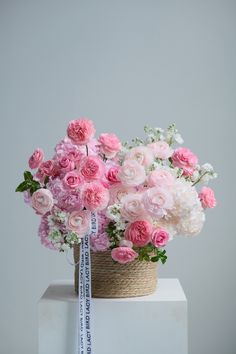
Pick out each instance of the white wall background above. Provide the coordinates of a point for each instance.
(123, 64)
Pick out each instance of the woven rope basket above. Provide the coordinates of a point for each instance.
(114, 280)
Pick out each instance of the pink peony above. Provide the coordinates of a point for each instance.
(81, 131)
(160, 237)
(185, 159)
(42, 201)
(132, 207)
(156, 201)
(161, 178)
(207, 198)
(112, 175)
(131, 173)
(99, 242)
(123, 255)
(95, 196)
(72, 180)
(139, 232)
(69, 200)
(142, 154)
(36, 158)
(161, 150)
(79, 221)
(65, 164)
(109, 145)
(91, 168)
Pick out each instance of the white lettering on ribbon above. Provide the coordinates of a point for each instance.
(85, 337)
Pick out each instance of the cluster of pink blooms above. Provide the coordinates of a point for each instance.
(146, 192)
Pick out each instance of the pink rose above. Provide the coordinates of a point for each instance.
(48, 168)
(65, 164)
(132, 173)
(185, 159)
(99, 242)
(79, 221)
(123, 255)
(36, 158)
(157, 200)
(75, 155)
(81, 131)
(91, 168)
(112, 174)
(161, 150)
(42, 201)
(142, 154)
(95, 196)
(72, 180)
(207, 198)
(132, 207)
(161, 178)
(118, 192)
(160, 237)
(109, 145)
(139, 232)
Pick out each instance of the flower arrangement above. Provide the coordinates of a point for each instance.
(144, 192)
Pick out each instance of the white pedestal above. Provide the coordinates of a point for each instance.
(141, 325)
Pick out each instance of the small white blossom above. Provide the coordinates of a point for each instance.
(113, 212)
(55, 236)
(207, 168)
(65, 247)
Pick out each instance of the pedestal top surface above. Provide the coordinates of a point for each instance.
(167, 290)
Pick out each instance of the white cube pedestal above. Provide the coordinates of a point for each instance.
(142, 325)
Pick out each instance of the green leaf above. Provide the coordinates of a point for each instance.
(155, 259)
(22, 187)
(46, 180)
(28, 176)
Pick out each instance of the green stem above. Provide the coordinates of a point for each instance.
(199, 179)
(87, 150)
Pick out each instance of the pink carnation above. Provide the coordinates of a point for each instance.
(109, 144)
(207, 198)
(79, 221)
(161, 149)
(99, 242)
(81, 131)
(91, 168)
(95, 196)
(36, 158)
(185, 159)
(42, 201)
(72, 180)
(160, 237)
(123, 255)
(139, 232)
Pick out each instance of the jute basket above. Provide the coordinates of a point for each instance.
(114, 280)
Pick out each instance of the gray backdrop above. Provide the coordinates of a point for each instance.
(123, 64)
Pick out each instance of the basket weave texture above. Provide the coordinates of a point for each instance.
(114, 280)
